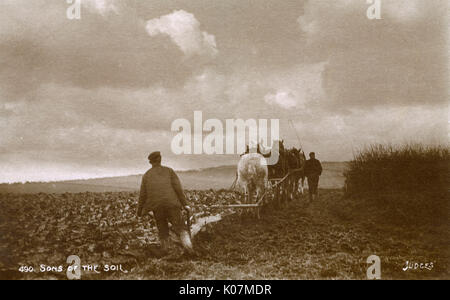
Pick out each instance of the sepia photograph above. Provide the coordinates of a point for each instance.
(227, 146)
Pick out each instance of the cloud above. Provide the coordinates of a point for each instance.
(184, 30)
(298, 87)
(112, 127)
(76, 97)
(398, 60)
(335, 136)
(328, 17)
(403, 10)
(65, 130)
(284, 99)
(95, 52)
(103, 7)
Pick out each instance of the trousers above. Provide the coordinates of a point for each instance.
(164, 215)
(313, 183)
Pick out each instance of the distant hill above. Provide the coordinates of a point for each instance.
(208, 178)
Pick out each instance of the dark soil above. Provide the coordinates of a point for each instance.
(330, 238)
(319, 240)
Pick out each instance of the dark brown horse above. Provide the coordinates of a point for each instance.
(296, 162)
(280, 168)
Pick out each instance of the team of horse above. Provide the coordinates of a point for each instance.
(255, 175)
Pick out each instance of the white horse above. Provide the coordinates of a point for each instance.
(252, 175)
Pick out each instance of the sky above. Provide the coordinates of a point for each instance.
(93, 97)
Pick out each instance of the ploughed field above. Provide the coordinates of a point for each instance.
(325, 239)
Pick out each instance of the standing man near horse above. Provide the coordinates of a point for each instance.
(313, 169)
(161, 192)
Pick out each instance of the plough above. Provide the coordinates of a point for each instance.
(260, 201)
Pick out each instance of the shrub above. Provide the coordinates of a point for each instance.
(387, 169)
(410, 179)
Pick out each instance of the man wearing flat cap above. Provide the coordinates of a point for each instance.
(161, 193)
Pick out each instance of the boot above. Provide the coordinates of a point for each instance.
(186, 241)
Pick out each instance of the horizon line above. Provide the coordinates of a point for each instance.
(128, 175)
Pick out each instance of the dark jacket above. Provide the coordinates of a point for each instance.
(313, 168)
(160, 187)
